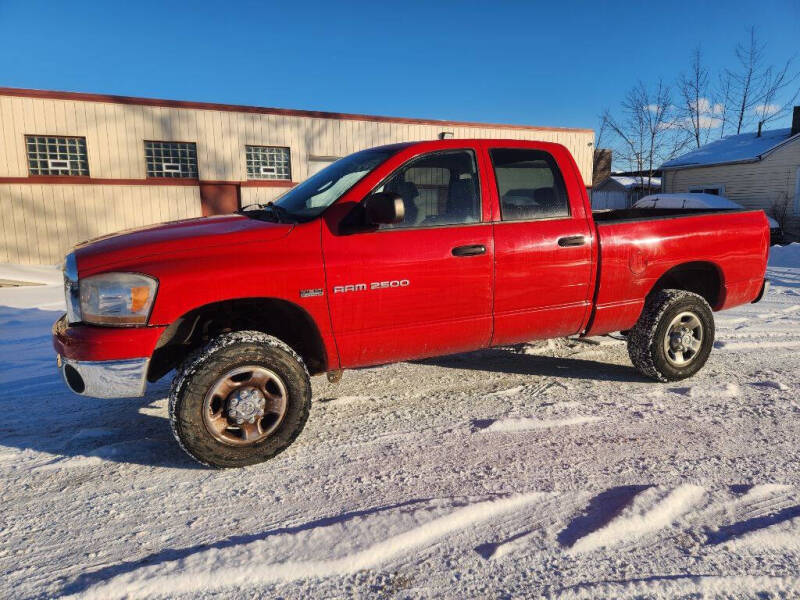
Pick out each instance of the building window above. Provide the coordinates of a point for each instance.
(50, 155)
(716, 190)
(268, 162)
(171, 159)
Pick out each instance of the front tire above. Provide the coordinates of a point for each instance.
(673, 337)
(240, 400)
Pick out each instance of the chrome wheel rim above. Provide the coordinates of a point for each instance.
(245, 405)
(683, 339)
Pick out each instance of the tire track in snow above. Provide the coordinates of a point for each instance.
(209, 571)
(756, 345)
(555, 508)
(670, 586)
(782, 535)
(634, 526)
(767, 516)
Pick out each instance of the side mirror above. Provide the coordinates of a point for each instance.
(384, 208)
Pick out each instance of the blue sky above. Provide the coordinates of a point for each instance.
(539, 63)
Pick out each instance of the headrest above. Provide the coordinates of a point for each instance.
(545, 196)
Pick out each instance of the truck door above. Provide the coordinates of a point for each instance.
(421, 287)
(543, 248)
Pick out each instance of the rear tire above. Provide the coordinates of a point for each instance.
(240, 400)
(673, 337)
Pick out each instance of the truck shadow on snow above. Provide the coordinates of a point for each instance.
(508, 360)
(41, 414)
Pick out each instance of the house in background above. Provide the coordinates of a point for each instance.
(757, 171)
(622, 190)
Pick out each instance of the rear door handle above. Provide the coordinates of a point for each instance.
(571, 240)
(472, 250)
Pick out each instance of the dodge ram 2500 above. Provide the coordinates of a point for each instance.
(398, 252)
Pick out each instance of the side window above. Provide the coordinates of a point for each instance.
(437, 189)
(529, 184)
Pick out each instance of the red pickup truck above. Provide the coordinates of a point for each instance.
(394, 253)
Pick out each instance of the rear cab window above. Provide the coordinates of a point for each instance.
(529, 184)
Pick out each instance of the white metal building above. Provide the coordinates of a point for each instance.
(74, 166)
(622, 191)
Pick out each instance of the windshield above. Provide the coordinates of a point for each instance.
(309, 199)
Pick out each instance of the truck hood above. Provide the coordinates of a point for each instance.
(176, 236)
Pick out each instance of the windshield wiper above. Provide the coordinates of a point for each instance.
(283, 215)
(279, 214)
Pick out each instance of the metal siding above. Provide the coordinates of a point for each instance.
(753, 185)
(44, 220)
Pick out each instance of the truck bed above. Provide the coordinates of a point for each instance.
(638, 248)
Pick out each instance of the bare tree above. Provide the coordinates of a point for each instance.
(744, 80)
(724, 100)
(756, 86)
(647, 131)
(779, 209)
(697, 110)
(600, 158)
(774, 82)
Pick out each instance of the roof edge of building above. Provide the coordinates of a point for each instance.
(715, 164)
(135, 100)
(753, 159)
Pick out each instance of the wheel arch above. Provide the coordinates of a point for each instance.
(281, 318)
(704, 278)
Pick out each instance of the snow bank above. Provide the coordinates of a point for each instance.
(785, 256)
(44, 274)
(48, 295)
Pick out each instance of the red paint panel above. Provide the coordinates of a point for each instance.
(634, 255)
(91, 343)
(445, 307)
(542, 290)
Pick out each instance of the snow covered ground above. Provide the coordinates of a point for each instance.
(546, 469)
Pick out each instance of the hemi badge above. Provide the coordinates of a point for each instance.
(311, 293)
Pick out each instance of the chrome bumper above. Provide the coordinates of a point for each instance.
(105, 379)
(763, 292)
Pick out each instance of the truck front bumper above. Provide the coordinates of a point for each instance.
(104, 362)
(105, 379)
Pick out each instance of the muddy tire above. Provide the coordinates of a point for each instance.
(673, 336)
(240, 400)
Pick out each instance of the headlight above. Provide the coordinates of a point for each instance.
(117, 298)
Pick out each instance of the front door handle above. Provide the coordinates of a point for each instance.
(472, 250)
(571, 240)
